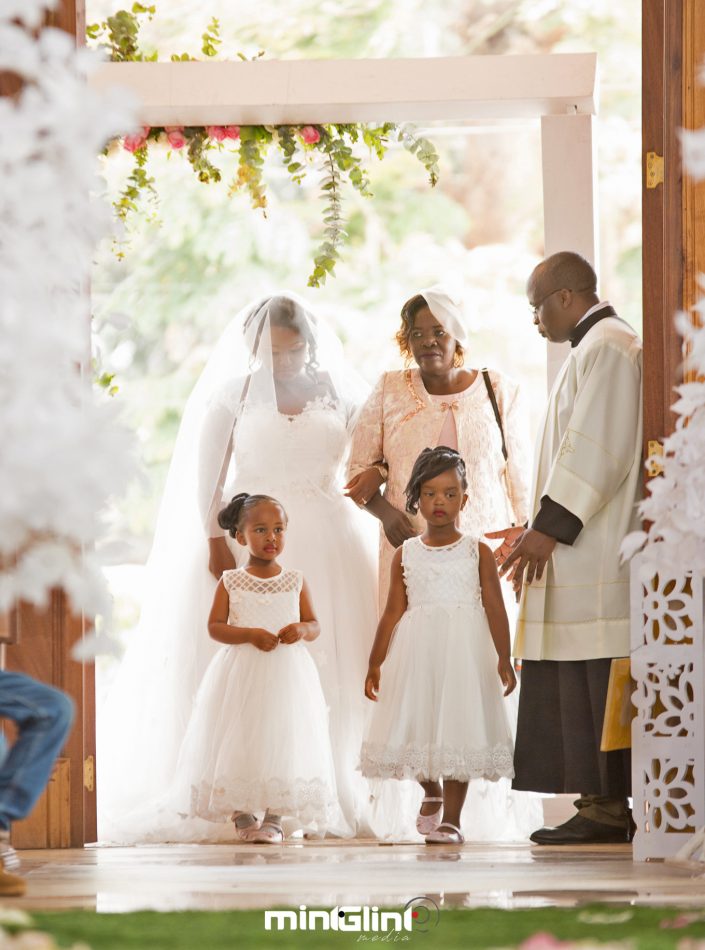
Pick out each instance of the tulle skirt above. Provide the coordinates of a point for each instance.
(441, 712)
(258, 739)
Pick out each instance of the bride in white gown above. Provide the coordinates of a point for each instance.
(270, 414)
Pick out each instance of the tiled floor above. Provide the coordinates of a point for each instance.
(327, 874)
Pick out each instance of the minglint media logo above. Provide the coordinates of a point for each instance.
(418, 915)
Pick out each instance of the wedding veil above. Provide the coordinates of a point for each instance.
(144, 718)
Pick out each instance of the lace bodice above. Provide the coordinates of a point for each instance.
(279, 454)
(268, 602)
(446, 576)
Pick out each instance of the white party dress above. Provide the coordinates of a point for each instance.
(258, 736)
(440, 711)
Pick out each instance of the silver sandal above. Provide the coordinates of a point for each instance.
(453, 836)
(269, 832)
(425, 824)
(245, 824)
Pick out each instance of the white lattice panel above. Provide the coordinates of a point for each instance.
(668, 733)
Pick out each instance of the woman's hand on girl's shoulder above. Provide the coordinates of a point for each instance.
(507, 675)
(372, 682)
(264, 640)
(397, 527)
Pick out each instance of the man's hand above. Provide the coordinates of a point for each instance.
(530, 553)
(363, 486)
(509, 539)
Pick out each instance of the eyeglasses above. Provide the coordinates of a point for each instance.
(537, 306)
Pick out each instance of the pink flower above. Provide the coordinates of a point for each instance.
(232, 131)
(542, 940)
(175, 135)
(216, 132)
(679, 922)
(136, 140)
(310, 134)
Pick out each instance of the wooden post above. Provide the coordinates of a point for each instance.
(693, 192)
(662, 208)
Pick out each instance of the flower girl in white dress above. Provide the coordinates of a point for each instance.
(439, 715)
(258, 740)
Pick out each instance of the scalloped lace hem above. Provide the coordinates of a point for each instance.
(308, 800)
(434, 762)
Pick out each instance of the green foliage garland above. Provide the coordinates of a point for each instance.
(329, 148)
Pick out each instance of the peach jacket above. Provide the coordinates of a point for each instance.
(399, 419)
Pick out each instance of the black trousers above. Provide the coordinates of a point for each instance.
(561, 710)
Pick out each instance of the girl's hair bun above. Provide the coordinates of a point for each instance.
(232, 516)
(229, 517)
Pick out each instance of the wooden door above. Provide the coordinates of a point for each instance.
(673, 208)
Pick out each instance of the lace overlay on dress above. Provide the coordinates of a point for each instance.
(266, 440)
(432, 763)
(442, 576)
(263, 601)
(309, 800)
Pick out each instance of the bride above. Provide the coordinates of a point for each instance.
(271, 413)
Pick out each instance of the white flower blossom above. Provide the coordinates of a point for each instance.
(65, 452)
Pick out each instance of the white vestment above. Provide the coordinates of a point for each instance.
(588, 459)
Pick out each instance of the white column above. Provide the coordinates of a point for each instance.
(569, 198)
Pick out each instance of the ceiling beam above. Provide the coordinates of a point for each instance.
(283, 92)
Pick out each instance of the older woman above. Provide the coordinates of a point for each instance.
(439, 402)
(443, 402)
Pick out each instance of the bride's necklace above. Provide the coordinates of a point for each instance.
(292, 400)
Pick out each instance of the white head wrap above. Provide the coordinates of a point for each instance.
(446, 305)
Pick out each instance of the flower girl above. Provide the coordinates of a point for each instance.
(440, 717)
(258, 738)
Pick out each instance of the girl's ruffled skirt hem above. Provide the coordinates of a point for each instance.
(311, 801)
(431, 763)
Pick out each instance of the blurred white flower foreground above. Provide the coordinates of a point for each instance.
(64, 452)
(675, 504)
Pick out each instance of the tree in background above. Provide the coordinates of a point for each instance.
(182, 279)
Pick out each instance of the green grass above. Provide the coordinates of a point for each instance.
(469, 929)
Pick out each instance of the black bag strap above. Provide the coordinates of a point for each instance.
(493, 400)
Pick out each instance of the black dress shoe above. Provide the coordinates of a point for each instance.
(579, 830)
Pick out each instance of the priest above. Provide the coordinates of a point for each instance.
(574, 606)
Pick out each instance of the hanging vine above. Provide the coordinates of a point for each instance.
(331, 149)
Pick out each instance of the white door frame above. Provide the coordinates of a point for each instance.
(559, 88)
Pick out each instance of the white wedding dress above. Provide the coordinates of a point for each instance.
(232, 438)
(299, 460)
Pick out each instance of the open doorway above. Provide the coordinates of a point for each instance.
(179, 284)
